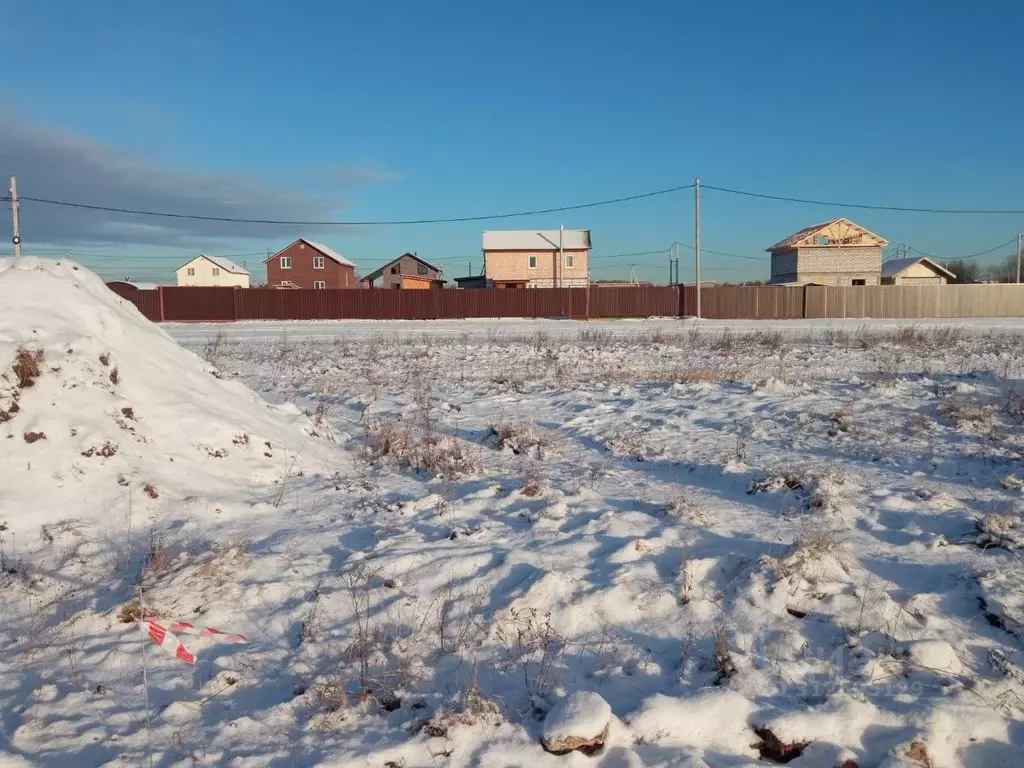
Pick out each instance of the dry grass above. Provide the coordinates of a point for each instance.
(1001, 529)
(1012, 483)
(816, 549)
(331, 700)
(416, 446)
(842, 421)
(686, 506)
(129, 613)
(27, 366)
(31, 437)
(964, 413)
(725, 667)
(472, 708)
(521, 438)
(632, 441)
(700, 374)
(533, 646)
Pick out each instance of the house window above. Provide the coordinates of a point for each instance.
(532, 262)
(420, 269)
(286, 262)
(216, 272)
(319, 285)
(395, 270)
(859, 282)
(191, 272)
(318, 262)
(569, 260)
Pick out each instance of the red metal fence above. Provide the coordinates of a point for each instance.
(193, 304)
(174, 304)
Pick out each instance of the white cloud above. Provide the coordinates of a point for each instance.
(58, 164)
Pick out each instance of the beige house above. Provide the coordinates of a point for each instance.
(922, 271)
(530, 258)
(837, 252)
(212, 271)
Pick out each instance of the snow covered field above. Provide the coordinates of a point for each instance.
(273, 330)
(719, 546)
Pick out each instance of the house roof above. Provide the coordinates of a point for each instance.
(799, 238)
(330, 253)
(536, 239)
(894, 267)
(380, 271)
(135, 284)
(226, 264)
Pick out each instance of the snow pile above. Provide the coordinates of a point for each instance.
(98, 403)
(579, 721)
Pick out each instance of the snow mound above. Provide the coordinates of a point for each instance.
(579, 721)
(96, 402)
(933, 654)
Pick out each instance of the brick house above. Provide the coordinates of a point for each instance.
(306, 264)
(837, 252)
(408, 271)
(530, 258)
(920, 271)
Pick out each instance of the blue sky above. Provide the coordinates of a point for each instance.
(394, 110)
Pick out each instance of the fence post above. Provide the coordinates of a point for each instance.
(160, 301)
(803, 311)
(234, 304)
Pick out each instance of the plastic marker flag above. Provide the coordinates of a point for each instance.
(164, 636)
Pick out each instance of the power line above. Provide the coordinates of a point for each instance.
(653, 252)
(72, 253)
(724, 253)
(536, 212)
(1011, 241)
(866, 206)
(450, 220)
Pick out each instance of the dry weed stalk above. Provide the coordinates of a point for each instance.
(27, 366)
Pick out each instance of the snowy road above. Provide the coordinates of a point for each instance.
(193, 333)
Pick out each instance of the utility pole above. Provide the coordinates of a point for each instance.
(561, 255)
(671, 251)
(696, 235)
(1018, 257)
(14, 215)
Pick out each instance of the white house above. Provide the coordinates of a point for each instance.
(212, 271)
(548, 258)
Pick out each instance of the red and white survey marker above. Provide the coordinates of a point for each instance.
(164, 635)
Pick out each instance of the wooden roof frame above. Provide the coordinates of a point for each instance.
(798, 239)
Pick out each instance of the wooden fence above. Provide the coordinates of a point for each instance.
(174, 304)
